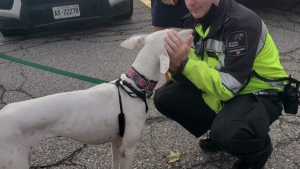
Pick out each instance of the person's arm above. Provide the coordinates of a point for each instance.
(240, 53)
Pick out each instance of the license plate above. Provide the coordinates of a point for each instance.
(69, 11)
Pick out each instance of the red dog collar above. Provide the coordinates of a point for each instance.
(141, 81)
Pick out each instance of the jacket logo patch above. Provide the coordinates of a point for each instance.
(236, 43)
(238, 37)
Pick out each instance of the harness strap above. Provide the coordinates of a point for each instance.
(139, 94)
(289, 79)
(255, 74)
(121, 116)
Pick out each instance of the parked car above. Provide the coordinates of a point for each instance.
(22, 15)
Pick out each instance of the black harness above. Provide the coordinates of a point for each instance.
(134, 93)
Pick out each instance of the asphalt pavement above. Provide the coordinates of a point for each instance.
(93, 50)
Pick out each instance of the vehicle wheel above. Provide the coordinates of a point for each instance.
(128, 14)
(11, 32)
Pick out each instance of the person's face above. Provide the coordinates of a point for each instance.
(198, 8)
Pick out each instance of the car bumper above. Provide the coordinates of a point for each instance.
(39, 13)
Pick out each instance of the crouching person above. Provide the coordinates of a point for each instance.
(218, 80)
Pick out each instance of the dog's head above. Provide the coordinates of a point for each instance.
(155, 41)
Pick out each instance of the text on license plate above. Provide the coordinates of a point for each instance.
(66, 11)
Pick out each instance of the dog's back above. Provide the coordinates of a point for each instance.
(88, 116)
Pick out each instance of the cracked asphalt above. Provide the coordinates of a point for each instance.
(93, 50)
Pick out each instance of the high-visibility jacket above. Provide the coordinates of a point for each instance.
(236, 43)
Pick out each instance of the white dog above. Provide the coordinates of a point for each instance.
(88, 116)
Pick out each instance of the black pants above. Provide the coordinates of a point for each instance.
(241, 128)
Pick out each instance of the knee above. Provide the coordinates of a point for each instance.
(231, 136)
(237, 137)
(163, 100)
(159, 98)
(218, 133)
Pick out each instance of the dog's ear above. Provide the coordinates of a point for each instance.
(131, 42)
(164, 62)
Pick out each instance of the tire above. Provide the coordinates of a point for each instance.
(127, 15)
(11, 32)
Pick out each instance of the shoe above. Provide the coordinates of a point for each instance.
(241, 164)
(208, 145)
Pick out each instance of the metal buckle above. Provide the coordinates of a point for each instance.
(149, 94)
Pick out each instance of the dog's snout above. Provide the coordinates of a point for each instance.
(185, 33)
(189, 31)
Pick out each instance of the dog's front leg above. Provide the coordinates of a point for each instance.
(115, 146)
(127, 157)
(13, 153)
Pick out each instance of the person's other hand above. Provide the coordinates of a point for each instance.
(177, 48)
(168, 2)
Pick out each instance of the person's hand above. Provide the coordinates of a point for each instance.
(177, 48)
(168, 2)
